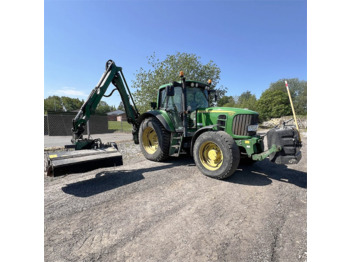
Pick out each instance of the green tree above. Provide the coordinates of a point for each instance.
(103, 108)
(247, 100)
(300, 103)
(121, 106)
(147, 82)
(298, 92)
(226, 101)
(53, 103)
(272, 104)
(71, 104)
(220, 92)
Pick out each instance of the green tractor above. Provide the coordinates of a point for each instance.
(182, 121)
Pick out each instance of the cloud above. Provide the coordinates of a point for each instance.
(70, 92)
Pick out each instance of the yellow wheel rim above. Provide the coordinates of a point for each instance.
(150, 140)
(211, 156)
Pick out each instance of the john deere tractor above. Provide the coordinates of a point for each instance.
(181, 121)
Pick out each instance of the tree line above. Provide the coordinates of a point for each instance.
(68, 104)
(273, 103)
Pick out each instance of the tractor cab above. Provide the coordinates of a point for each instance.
(170, 96)
(181, 100)
(197, 97)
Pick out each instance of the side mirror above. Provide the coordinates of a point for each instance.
(153, 105)
(170, 90)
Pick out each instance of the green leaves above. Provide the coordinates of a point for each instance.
(71, 104)
(167, 71)
(53, 103)
(298, 91)
(245, 100)
(103, 108)
(67, 104)
(274, 102)
(227, 101)
(121, 106)
(62, 104)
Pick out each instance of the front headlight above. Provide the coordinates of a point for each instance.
(253, 128)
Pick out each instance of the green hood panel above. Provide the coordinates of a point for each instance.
(210, 116)
(226, 110)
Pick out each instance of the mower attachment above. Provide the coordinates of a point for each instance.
(78, 161)
(288, 139)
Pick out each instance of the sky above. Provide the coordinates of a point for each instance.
(253, 42)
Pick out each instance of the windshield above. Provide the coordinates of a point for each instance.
(197, 98)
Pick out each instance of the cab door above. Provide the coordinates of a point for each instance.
(174, 108)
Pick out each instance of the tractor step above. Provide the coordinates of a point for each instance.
(175, 144)
(78, 161)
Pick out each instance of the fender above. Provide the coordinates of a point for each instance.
(198, 133)
(161, 117)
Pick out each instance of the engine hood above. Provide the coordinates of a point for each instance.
(227, 110)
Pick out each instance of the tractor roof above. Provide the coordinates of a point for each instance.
(200, 84)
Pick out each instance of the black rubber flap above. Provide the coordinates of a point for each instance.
(288, 139)
(69, 162)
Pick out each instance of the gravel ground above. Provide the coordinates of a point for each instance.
(61, 141)
(147, 211)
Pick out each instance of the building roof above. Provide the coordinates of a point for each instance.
(117, 112)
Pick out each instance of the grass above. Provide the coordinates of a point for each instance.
(120, 126)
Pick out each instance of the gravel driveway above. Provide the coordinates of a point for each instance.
(61, 141)
(147, 211)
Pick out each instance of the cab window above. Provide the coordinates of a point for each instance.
(174, 102)
(197, 98)
(162, 98)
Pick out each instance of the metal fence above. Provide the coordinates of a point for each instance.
(60, 124)
(46, 126)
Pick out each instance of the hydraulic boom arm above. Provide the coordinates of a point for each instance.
(114, 75)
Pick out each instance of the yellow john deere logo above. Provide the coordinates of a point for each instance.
(231, 113)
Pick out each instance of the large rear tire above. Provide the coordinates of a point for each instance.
(216, 154)
(154, 140)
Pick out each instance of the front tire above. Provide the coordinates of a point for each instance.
(216, 154)
(154, 140)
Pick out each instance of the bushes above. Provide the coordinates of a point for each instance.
(273, 104)
(274, 101)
